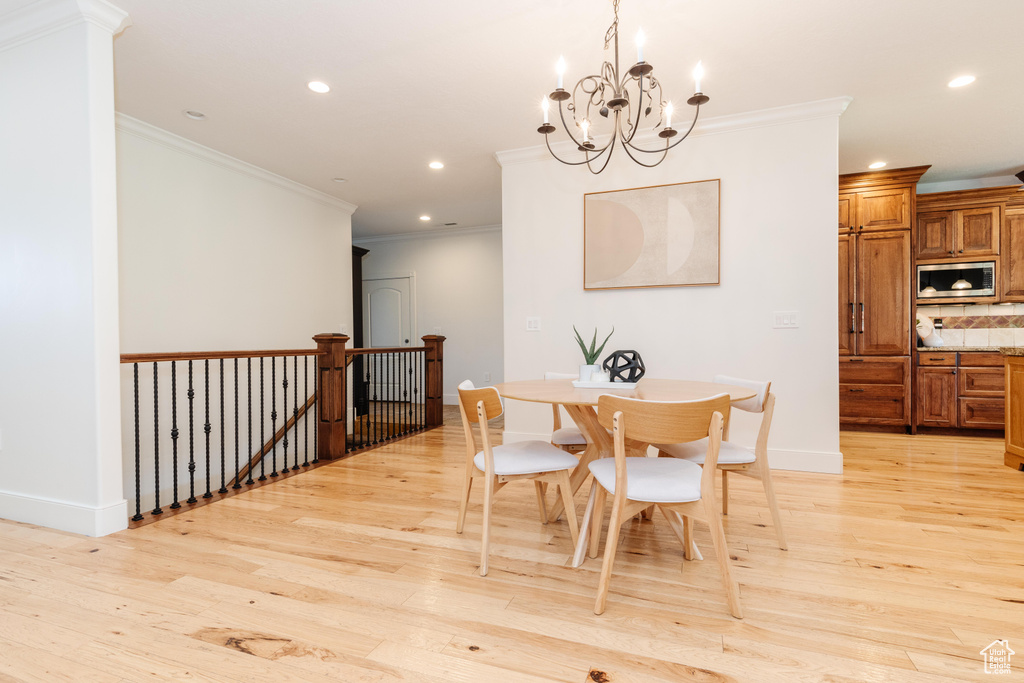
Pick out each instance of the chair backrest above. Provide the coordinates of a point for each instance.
(470, 399)
(658, 422)
(662, 421)
(751, 405)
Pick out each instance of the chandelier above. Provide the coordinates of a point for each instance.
(627, 101)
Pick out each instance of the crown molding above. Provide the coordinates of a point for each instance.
(426, 234)
(776, 116)
(43, 17)
(151, 133)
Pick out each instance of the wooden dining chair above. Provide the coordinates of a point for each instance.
(570, 438)
(739, 459)
(499, 465)
(679, 488)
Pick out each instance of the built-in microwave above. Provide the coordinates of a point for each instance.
(956, 280)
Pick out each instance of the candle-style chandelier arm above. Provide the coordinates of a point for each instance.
(685, 135)
(568, 131)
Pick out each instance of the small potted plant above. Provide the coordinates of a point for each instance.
(590, 355)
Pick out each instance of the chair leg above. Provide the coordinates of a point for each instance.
(486, 542)
(539, 486)
(595, 525)
(675, 522)
(725, 492)
(464, 503)
(773, 505)
(565, 488)
(611, 544)
(588, 516)
(691, 546)
(732, 590)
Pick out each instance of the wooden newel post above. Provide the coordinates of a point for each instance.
(435, 380)
(332, 398)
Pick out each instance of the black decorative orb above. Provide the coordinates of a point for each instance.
(624, 366)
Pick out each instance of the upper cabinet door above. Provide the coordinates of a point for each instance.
(977, 231)
(847, 314)
(884, 210)
(1012, 259)
(883, 294)
(847, 211)
(935, 235)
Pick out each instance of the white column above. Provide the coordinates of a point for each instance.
(60, 446)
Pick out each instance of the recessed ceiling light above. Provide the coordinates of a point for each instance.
(340, 180)
(436, 165)
(194, 115)
(424, 218)
(961, 81)
(318, 86)
(877, 164)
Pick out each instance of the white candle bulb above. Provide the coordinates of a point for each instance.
(668, 115)
(544, 106)
(560, 69)
(585, 125)
(640, 40)
(698, 73)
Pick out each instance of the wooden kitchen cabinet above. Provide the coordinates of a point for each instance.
(876, 211)
(946, 235)
(964, 390)
(1012, 252)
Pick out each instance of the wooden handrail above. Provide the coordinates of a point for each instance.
(214, 355)
(384, 349)
(255, 458)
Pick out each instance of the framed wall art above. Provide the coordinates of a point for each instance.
(659, 236)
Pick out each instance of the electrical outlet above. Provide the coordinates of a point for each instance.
(786, 320)
(533, 324)
(487, 377)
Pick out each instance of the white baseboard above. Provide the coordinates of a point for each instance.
(796, 461)
(55, 514)
(450, 399)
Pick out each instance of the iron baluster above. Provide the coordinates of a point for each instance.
(284, 415)
(305, 421)
(174, 435)
(223, 479)
(156, 442)
(206, 425)
(248, 453)
(316, 406)
(238, 472)
(138, 461)
(376, 401)
(273, 415)
(191, 440)
(263, 466)
(295, 410)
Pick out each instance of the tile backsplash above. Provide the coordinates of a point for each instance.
(979, 324)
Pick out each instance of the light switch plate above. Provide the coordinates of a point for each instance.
(533, 324)
(786, 320)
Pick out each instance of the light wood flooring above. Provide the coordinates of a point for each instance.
(901, 569)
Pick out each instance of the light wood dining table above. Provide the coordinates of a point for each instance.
(581, 404)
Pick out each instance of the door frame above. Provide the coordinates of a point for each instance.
(411, 277)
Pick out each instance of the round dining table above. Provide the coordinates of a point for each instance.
(581, 404)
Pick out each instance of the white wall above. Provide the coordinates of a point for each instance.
(458, 289)
(778, 172)
(59, 402)
(216, 254)
(969, 184)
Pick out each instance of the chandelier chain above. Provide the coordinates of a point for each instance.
(613, 30)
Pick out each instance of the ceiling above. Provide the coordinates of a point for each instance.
(458, 80)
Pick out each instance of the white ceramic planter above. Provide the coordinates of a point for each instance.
(587, 372)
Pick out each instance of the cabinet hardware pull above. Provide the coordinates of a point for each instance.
(961, 251)
(862, 317)
(856, 360)
(950, 252)
(858, 389)
(853, 320)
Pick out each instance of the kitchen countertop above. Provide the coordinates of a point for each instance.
(992, 349)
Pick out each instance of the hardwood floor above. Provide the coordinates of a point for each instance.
(902, 569)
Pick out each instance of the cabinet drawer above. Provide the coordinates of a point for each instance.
(985, 359)
(873, 404)
(982, 413)
(874, 371)
(946, 358)
(984, 382)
